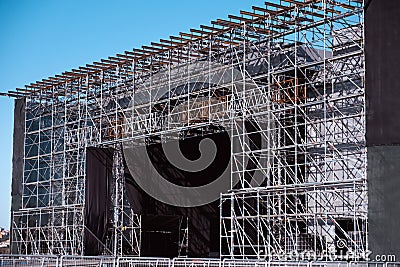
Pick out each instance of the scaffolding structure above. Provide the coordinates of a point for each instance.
(286, 80)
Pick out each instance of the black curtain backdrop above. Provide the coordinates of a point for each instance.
(382, 90)
(99, 163)
(160, 235)
(203, 221)
(382, 53)
(17, 163)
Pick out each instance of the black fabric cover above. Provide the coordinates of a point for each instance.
(203, 221)
(99, 162)
(189, 148)
(382, 38)
(160, 235)
(382, 33)
(17, 161)
(384, 200)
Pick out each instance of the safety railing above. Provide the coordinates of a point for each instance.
(142, 262)
(107, 261)
(193, 262)
(83, 261)
(31, 260)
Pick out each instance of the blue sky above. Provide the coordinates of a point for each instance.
(43, 38)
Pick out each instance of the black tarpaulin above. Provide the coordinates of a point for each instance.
(99, 162)
(382, 90)
(160, 235)
(17, 161)
(203, 221)
(189, 147)
(382, 85)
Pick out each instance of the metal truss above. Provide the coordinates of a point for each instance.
(286, 80)
(308, 145)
